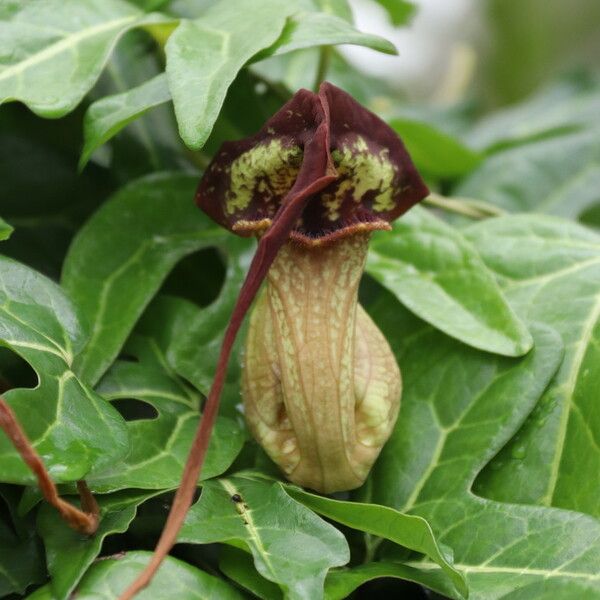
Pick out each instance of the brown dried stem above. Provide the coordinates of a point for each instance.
(84, 520)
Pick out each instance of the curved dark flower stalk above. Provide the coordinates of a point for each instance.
(84, 520)
(322, 172)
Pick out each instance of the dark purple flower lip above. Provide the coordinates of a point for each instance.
(359, 174)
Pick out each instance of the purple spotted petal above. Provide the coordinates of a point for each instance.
(375, 179)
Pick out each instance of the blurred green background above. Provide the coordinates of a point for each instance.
(499, 50)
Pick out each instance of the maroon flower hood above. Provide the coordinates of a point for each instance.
(341, 165)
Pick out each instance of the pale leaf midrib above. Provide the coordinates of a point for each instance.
(166, 452)
(492, 329)
(571, 382)
(528, 571)
(65, 44)
(514, 283)
(251, 529)
(552, 199)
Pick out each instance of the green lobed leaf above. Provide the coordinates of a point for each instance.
(307, 29)
(550, 271)
(409, 531)
(239, 567)
(21, 555)
(190, 337)
(465, 405)
(291, 545)
(205, 55)
(151, 141)
(160, 445)
(558, 175)
(433, 151)
(121, 256)
(109, 577)
(72, 428)
(107, 116)
(341, 583)
(57, 49)
(68, 553)
(434, 271)
(555, 110)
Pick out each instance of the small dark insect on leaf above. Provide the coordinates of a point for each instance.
(236, 498)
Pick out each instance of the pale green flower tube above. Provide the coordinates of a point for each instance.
(321, 386)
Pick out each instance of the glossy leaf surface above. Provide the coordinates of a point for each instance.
(121, 256)
(176, 579)
(409, 531)
(159, 445)
(58, 49)
(68, 553)
(434, 271)
(466, 405)
(305, 30)
(205, 55)
(107, 116)
(550, 271)
(73, 429)
(291, 545)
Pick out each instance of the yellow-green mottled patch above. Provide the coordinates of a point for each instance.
(269, 168)
(361, 171)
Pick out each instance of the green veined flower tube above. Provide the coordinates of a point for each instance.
(321, 386)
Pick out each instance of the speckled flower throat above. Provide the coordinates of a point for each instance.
(321, 387)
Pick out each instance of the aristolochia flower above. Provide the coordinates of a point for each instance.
(321, 387)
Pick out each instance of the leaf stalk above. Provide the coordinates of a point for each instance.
(85, 519)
